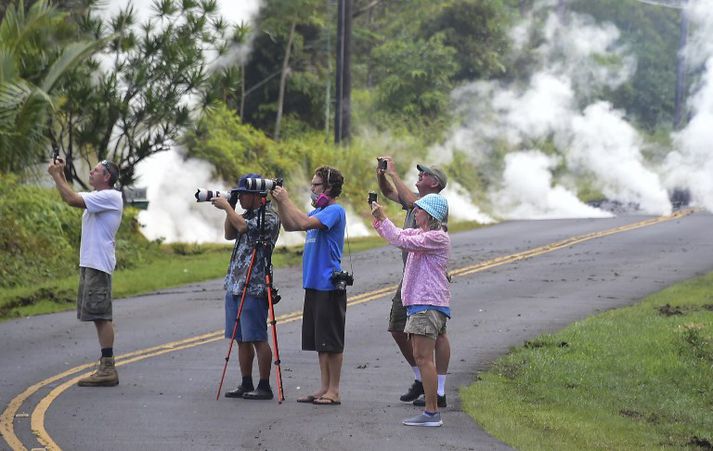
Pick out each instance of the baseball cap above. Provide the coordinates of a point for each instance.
(243, 183)
(434, 171)
(435, 205)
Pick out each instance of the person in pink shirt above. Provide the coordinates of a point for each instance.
(425, 291)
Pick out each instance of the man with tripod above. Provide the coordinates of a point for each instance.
(431, 180)
(252, 231)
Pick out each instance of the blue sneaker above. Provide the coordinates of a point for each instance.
(424, 420)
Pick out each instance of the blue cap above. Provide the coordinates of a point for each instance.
(243, 183)
(435, 205)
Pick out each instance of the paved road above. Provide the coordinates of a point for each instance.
(167, 401)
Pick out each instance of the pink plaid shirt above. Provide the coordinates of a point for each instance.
(425, 280)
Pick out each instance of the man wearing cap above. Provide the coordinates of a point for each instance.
(431, 180)
(425, 292)
(103, 208)
(251, 333)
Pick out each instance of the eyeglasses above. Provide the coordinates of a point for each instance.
(317, 184)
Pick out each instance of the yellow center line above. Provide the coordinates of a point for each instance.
(38, 414)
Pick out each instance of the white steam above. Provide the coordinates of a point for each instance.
(593, 140)
(690, 165)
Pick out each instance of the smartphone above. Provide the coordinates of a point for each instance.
(372, 197)
(382, 165)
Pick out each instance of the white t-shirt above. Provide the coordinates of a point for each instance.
(100, 222)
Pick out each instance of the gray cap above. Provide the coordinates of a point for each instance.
(434, 171)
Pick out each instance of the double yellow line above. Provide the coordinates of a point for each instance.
(76, 373)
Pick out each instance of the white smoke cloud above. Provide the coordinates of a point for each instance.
(576, 57)
(690, 165)
(528, 192)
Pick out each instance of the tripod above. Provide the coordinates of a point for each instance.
(263, 243)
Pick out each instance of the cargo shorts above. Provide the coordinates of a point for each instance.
(94, 296)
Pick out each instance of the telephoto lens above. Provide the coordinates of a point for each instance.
(254, 184)
(205, 195)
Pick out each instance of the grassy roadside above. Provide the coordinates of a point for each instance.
(177, 264)
(639, 377)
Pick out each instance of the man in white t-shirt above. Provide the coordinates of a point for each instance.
(100, 222)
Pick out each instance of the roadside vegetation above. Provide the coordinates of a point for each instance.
(632, 378)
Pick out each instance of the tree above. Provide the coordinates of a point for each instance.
(143, 94)
(477, 29)
(415, 78)
(34, 57)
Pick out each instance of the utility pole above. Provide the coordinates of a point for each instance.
(342, 111)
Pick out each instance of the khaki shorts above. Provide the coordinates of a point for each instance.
(430, 323)
(94, 297)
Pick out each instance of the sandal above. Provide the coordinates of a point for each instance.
(325, 401)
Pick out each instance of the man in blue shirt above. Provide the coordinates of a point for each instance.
(324, 313)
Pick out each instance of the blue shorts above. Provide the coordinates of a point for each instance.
(253, 318)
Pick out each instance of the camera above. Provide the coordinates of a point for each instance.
(205, 195)
(382, 164)
(262, 185)
(342, 279)
(372, 197)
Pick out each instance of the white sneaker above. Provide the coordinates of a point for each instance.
(424, 420)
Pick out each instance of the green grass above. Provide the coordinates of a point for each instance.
(639, 377)
(177, 264)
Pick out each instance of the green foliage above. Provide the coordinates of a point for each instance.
(415, 76)
(235, 148)
(35, 55)
(477, 30)
(632, 378)
(139, 106)
(652, 33)
(40, 235)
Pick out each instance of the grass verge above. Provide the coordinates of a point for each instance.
(177, 264)
(639, 377)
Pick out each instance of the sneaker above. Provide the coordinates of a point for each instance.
(413, 392)
(238, 392)
(424, 420)
(259, 393)
(421, 402)
(104, 376)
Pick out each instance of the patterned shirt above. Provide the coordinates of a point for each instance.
(425, 279)
(243, 250)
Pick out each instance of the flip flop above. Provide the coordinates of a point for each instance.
(325, 401)
(307, 399)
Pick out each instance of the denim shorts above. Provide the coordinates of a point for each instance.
(253, 318)
(430, 323)
(94, 295)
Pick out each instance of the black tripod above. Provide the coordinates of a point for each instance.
(263, 243)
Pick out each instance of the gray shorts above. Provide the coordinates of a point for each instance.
(94, 297)
(397, 315)
(430, 323)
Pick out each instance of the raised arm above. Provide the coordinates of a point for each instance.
(56, 170)
(402, 194)
(234, 223)
(293, 219)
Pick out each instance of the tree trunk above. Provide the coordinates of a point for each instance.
(283, 80)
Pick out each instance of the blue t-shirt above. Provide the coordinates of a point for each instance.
(323, 248)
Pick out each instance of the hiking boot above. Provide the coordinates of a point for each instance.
(259, 393)
(238, 392)
(424, 420)
(104, 376)
(421, 402)
(413, 392)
